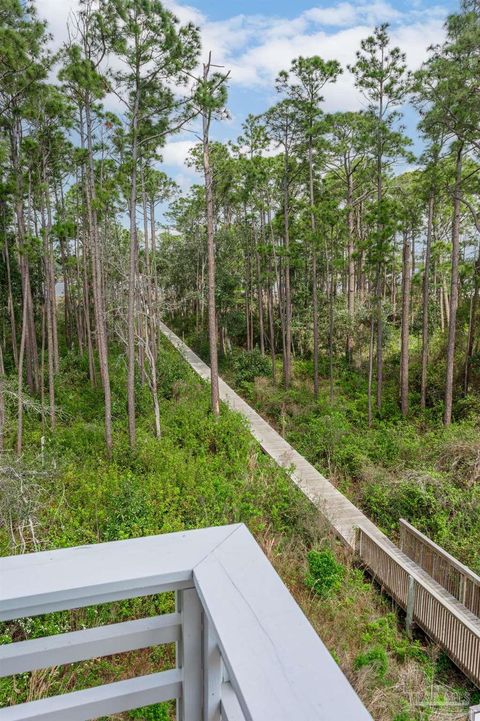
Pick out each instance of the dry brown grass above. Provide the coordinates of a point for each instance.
(410, 690)
(461, 459)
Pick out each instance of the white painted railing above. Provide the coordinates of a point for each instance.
(244, 649)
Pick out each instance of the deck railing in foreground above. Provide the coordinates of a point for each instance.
(244, 649)
(426, 603)
(474, 713)
(457, 579)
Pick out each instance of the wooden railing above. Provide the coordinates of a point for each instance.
(426, 603)
(244, 649)
(395, 571)
(457, 579)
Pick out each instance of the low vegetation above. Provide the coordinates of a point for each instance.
(415, 469)
(202, 472)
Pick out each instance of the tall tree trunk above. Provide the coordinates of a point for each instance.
(20, 370)
(370, 369)
(457, 199)
(380, 263)
(132, 273)
(330, 286)
(212, 314)
(404, 352)
(350, 269)
(313, 226)
(30, 342)
(49, 318)
(472, 325)
(287, 367)
(425, 300)
(379, 314)
(97, 282)
(315, 322)
(271, 316)
(2, 401)
(11, 306)
(261, 329)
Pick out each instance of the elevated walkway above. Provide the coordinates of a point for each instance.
(443, 617)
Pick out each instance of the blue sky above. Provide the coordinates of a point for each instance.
(255, 39)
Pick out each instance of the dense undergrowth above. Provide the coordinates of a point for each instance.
(415, 469)
(205, 472)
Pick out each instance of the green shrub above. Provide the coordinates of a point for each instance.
(375, 657)
(248, 365)
(157, 712)
(325, 574)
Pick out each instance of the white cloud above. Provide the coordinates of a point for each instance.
(176, 152)
(341, 14)
(256, 47)
(58, 14)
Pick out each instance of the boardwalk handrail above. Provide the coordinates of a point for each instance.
(345, 520)
(244, 649)
(454, 576)
(426, 603)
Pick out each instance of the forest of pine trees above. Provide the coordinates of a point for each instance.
(327, 264)
(323, 245)
(307, 238)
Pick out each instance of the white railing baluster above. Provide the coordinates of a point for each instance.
(245, 651)
(189, 656)
(213, 672)
(230, 708)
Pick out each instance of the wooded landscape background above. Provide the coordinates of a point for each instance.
(326, 264)
(324, 248)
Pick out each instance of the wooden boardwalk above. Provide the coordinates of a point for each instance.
(459, 631)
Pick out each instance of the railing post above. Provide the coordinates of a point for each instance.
(401, 537)
(358, 542)
(474, 713)
(410, 605)
(189, 656)
(212, 676)
(463, 589)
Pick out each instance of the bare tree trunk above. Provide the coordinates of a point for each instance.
(87, 319)
(350, 270)
(271, 319)
(261, 329)
(447, 417)
(98, 293)
(132, 274)
(404, 352)
(313, 226)
(442, 310)
(30, 339)
(287, 367)
(50, 280)
(42, 367)
(425, 300)
(49, 319)
(379, 313)
(212, 314)
(11, 306)
(330, 332)
(20, 371)
(2, 402)
(315, 322)
(370, 369)
(472, 325)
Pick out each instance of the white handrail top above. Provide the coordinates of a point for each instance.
(36, 583)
